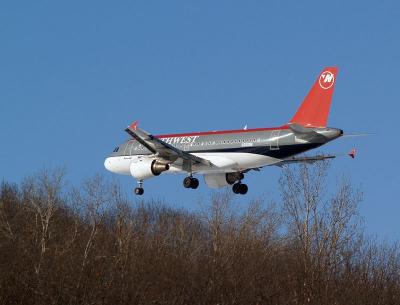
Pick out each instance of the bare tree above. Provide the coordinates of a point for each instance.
(43, 191)
(324, 229)
(93, 246)
(9, 193)
(94, 201)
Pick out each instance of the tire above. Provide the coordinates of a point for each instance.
(187, 182)
(139, 191)
(243, 189)
(195, 183)
(236, 188)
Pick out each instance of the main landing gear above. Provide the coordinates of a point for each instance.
(240, 188)
(190, 182)
(193, 183)
(139, 190)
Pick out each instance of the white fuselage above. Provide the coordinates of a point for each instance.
(224, 162)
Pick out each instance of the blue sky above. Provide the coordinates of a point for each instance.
(73, 74)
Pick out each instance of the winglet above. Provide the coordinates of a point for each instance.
(352, 153)
(134, 125)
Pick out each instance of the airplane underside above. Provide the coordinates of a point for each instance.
(226, 164)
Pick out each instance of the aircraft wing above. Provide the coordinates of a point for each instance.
(163, 149)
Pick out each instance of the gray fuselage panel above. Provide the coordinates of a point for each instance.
(278, 143)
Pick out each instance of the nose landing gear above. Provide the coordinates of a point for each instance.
(139, 190)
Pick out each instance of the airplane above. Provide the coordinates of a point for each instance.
(224, 157)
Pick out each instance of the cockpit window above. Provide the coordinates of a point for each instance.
(116, 149)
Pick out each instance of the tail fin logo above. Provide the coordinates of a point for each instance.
(326, 80)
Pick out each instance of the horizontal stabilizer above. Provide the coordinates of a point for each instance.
(361, 134)
(312, 159)
(306, 159)
(296, 128)
(307, 134)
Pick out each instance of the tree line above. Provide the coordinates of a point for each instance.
(92, 245)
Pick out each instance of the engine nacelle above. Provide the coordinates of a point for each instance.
(222, 179)
(144, 169)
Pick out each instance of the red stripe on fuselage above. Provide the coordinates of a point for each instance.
(206, 133)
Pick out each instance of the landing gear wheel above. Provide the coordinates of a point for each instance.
(187, 182)
(195, 183)
(236, 188)
(243, 189)
(139, 191)
(239, 188)
(190, 182)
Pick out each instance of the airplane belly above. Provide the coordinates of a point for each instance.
(232, 161)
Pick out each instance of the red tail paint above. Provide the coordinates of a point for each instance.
(314, 110)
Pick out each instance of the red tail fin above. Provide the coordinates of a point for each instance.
(314, 110)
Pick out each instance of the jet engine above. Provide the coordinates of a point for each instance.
(143, 169)
(222, 179)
